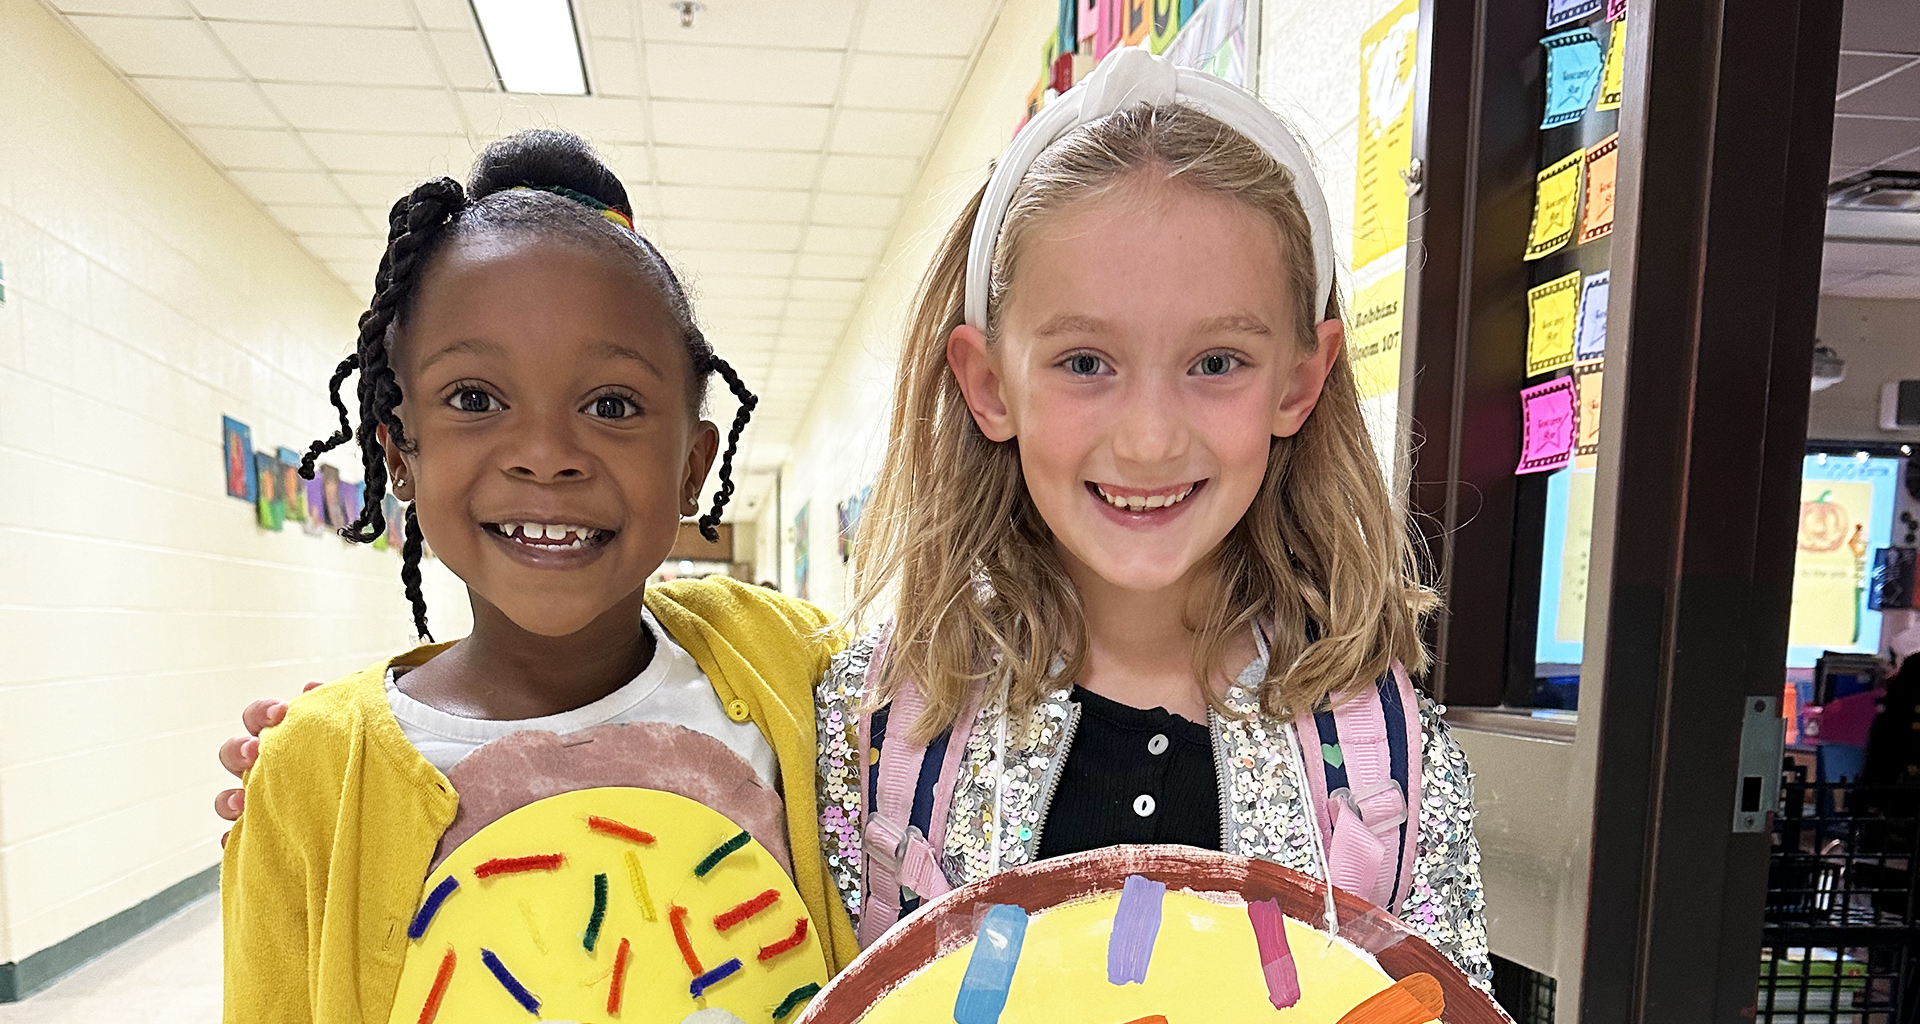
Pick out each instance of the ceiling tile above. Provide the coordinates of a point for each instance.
(943, 27)
(323, 220)
(1896, 96)
(154, 46)
(869, 175)
(798, 362)
(464, 58)
(824, 24)
(1882, 25)
(309, 187)
(817, 309)
(1858, 68)
(742, 125)
(729, 326)
(376, 190)
(448, 15)
(845, 268)
(324, 53)
(845, 241)
(133, 8)
(1861, 143)
(366, 249)
(701, 263)
(838, 291)
(735, 168)
(357, 275)
(738, 236)
(856, 211)
(742, 74)
(742, 288)
(884, 132)
(254, 148)
(418, 155)
(767, 205)
(820, 330)
(1879, 286)
(885, 82)
(347, 108)
(613, 67)
(717, 306)
(612, 19)
(602, 120)
(1857, 258)
(307, 12)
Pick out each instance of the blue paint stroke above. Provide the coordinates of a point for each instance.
(996, 952)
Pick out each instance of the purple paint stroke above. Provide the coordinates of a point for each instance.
(1135, 926)
(1276, 957)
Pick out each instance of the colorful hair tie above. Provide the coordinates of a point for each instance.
(584, 200)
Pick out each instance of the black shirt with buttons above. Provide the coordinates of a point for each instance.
(1133, 775)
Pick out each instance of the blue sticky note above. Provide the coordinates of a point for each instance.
(1560, 12)
(996, 952)
(1590, 335)
(1574, 64)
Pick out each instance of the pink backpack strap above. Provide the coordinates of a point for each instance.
(896, 857)
(1360, 825)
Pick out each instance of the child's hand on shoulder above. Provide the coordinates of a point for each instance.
(238, 753)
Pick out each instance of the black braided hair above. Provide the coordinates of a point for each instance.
(542, 180)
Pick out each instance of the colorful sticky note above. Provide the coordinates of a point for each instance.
(1590, 338)
(1586, 393)
(1573, 72)
(1560, 12)
(1603, 161)
(1613, 79)
(1555, 205)
(1166, 24)
(1616, 9)
(1551, 310)
(996, 953)
(1546, 426)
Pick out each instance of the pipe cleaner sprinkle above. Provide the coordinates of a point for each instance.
(638, 878)
(720, 853)
(611, 827)
(507, 981)
(714, 977)
(533, 927)
(438, 992)
(677, 916)
(516, 865)
(792, 941)
(745, 910)
(599, 911)
(795, 998)
(431, 906)
(619, 985)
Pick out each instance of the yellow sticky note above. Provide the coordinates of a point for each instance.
(1587, 378)
(1613, 79)
(1552, 310)
(1556, 205)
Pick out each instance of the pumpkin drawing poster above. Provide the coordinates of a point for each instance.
(1845, 513)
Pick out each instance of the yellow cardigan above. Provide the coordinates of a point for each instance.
(324, 869)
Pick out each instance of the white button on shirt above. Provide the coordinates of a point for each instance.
(1158, 744)
(1143, 805)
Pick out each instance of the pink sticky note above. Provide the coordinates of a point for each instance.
(1616, 9)
(1547, 421)
(1107, 31)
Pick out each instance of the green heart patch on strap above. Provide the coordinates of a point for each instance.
(1331, 752)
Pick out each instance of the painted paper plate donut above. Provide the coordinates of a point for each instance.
(1150, 935)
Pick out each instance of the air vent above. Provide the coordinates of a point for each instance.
(1876, 190)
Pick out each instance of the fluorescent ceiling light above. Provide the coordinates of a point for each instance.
(534, 45)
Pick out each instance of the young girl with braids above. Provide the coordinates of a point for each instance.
(1146, 582)
(530, 380)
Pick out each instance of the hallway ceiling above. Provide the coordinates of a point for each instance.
(767, 149)
(1876, 126)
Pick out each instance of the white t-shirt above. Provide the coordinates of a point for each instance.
(671, 689)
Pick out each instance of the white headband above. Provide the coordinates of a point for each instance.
(1127, 77)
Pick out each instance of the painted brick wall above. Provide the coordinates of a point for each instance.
(140, 607)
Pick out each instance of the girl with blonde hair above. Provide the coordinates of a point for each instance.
(1146, 581)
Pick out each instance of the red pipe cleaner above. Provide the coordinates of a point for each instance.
(515, 865)
(739, 914)
(790, 942)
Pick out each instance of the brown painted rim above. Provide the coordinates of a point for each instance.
(947, 923)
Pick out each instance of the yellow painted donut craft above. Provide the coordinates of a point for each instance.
(611, 906)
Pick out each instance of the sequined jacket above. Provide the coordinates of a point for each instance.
(1260, 783)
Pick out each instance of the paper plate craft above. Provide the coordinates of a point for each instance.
(644, 897)
(1150, 935)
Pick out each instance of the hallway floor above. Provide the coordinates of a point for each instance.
(169, 974)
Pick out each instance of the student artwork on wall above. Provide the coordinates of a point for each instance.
(1846, 512)
(1587, 378)
(1547, 426)
(1556, 205)
(291, 492)
(1562, 12)
(331, 494)
(800, 561)
(270, 506)
(1551, 315)
(1573, 73)
(1166, 24)
(1603, 160)
(352, 501)
(1616, 9)
(1590, 338)
(1613, 80)
(236, 444)
(1213, 39)
(315, 523)
(1136, 21)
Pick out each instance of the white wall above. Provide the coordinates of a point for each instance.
(1880, 340)
(140, 607)
(837, 450)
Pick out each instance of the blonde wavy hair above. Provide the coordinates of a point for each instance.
(953, 539)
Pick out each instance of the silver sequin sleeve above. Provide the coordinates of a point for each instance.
(842, 765)
(1446, 904)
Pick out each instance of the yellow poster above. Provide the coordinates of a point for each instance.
(1613, 79)
(1388, 53)
(1374, 324)
(1570, 619)
(1556, 205)
(1829, 565)
(1552, 310)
